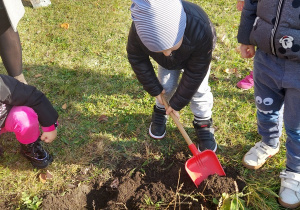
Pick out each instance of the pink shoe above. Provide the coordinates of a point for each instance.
(247, 82)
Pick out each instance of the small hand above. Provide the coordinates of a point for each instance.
(159, 97)
(247, 51)
(48, 137)
(171, 110)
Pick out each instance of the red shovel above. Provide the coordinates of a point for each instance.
(202, 164)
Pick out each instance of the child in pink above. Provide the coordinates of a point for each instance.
(23, 109)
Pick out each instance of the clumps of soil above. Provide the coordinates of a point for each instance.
(159, 184)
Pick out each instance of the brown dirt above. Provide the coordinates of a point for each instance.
(157, 185)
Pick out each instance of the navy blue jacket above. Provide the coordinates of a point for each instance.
(194, 56)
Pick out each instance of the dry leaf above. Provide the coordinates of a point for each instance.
(71, 186)
(109, 40)
(223, 38)
(213, 77)
(115, 183)
(103, 118)
(231, 71)
(49, 175)
(43, 178)
(65, 25)
(38, 75)
(64, 106)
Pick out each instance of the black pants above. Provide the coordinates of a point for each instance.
(10, 45)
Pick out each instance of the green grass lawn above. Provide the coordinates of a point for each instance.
(85, 73)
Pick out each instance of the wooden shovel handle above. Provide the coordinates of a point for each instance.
(179, 125)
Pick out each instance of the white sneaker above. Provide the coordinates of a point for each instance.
(289, 194)
(40, 3)
(258, 155)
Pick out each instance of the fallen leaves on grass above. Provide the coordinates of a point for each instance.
(45, 176)
(115, 183)
(103, 118)
(233, 71)
(214, 77)
(38, 75)
(64, 106)
(65, 25)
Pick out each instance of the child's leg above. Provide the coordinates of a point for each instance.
(289, 194)
(23, 121)
(201, 106)
(10, 48)
(169, 81)
(292, 115)
(269, 98)
(202, 101)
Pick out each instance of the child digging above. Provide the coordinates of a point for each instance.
(179, 36)
(274, 27)
(22, 109)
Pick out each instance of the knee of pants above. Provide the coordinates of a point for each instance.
(23, 121)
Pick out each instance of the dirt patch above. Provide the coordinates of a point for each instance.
(159, 184)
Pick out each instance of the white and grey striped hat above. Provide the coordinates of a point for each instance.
(160, 24)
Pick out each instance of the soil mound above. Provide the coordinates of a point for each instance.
(156, 185)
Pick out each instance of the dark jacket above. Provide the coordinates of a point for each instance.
(15, 93)
(194, 56)
(273, 26)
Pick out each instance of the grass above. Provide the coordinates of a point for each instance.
(86, 69)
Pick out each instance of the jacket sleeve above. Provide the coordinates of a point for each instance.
(15, 93)
(248, 17)
(196, 69)
(141, 64)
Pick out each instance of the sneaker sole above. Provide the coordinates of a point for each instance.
(156, 137)
(258, 166)
(244, 88)
(214, 150)
(286, 205)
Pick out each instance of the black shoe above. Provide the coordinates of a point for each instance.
(205, 134)
(157, 129)
(34, 152)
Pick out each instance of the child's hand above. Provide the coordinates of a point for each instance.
(48, 137)
(247, 51)
(170, 109)
(159, 97)
(240, 5)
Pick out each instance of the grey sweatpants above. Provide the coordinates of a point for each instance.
(202, 102)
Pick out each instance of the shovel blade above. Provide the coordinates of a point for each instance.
(200, 166)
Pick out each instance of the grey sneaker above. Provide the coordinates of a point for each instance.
(205, 135)
(258, 155)
(157, 129)
(289, 194)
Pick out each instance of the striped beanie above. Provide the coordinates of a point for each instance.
(160, 24)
